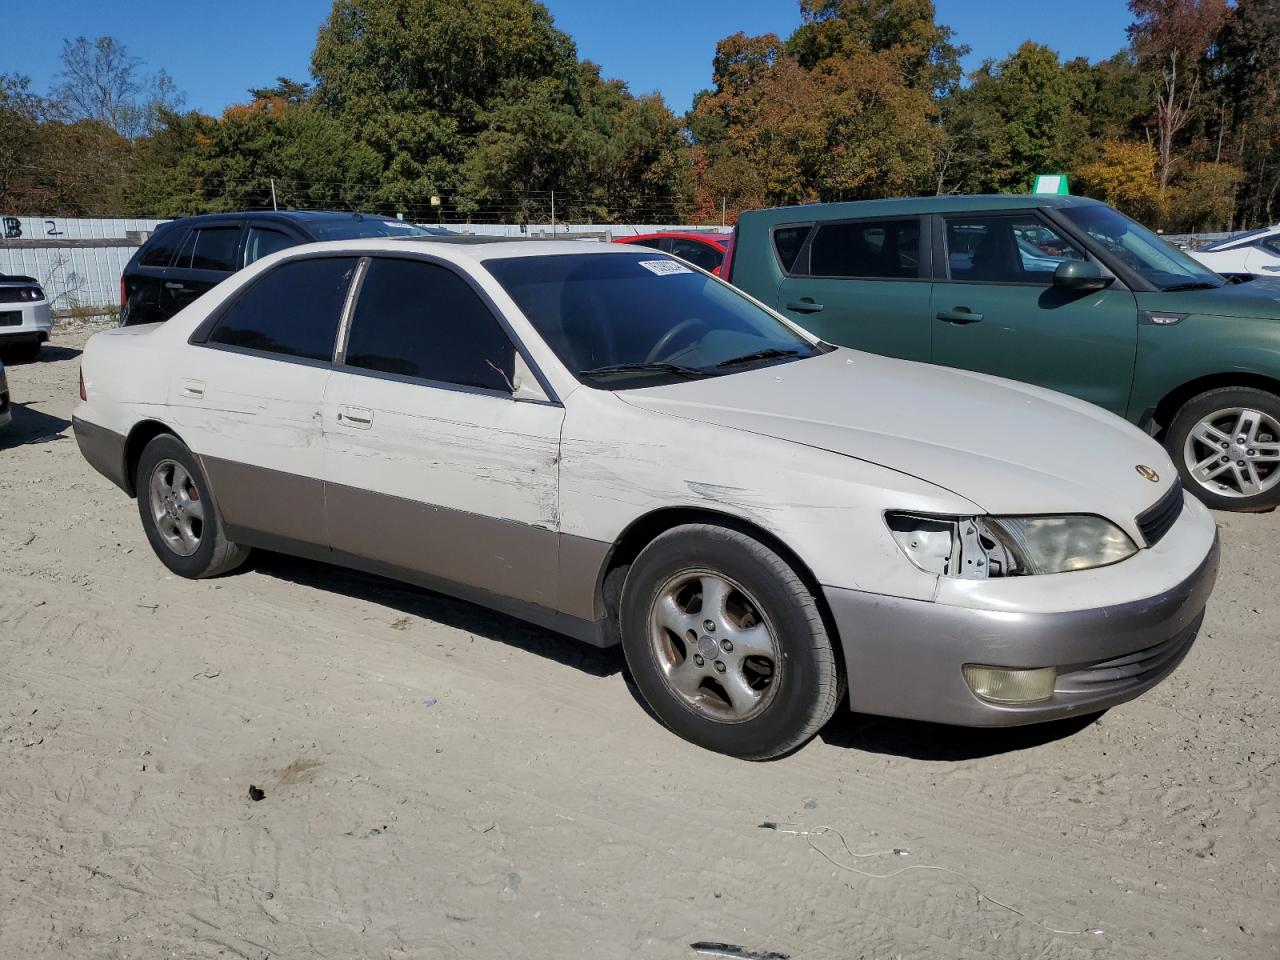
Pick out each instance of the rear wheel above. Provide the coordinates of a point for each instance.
(178, 513)
(1226, 444)
(22, 352)
(726, 643)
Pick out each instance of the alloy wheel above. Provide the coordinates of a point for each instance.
(1235, 452)
(176, 507)
(715, 646)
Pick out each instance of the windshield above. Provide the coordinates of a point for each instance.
(625, 320)
(1238, 239)
(369, 226)
(1161, 264)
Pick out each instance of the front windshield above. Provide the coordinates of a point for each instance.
(623, 320)
(360, 225)
(1161, 264)
(1237, 239)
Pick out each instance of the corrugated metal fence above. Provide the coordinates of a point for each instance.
(79, 262)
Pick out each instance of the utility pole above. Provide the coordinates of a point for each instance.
(553, 211)
(273, 194)
(724, 202)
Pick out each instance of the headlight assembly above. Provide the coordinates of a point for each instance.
(981, 547)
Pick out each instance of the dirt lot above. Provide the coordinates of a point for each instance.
(441, 781)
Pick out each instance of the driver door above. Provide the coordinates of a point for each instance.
(996, 310)
(431, 465)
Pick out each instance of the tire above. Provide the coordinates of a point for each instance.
(190, 549)
(781, 680)
(22, 352)
(1248, 479)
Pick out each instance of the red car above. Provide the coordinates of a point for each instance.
(705, 250)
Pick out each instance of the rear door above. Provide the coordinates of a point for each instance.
(210, 254)
(859, 283)
(142, 295)
(247, 395)
(431, 466)
(995, 309)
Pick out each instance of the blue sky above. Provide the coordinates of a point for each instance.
(663, 45)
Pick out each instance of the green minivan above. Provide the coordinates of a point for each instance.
(1062, 292)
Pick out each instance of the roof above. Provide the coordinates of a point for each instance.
(715, 236)
(900, 206)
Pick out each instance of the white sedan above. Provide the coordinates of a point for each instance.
(1256, 252)
(620, 447)
(25, 318)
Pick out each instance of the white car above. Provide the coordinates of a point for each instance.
(6, 412)
(25, 318)
(621, 447)
(1255, 252)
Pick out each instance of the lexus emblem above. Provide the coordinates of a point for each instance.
(1147, 473)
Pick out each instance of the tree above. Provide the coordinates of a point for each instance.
(1124, 175)
(1016, 118)
(1173, 40)
(101, 81)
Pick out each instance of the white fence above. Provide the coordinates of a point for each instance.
(79, 262)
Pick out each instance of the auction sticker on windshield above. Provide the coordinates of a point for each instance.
(664, 268)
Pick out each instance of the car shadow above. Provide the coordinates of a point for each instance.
(49, 353)
(428, 605)
(31, 426)
(918, 740)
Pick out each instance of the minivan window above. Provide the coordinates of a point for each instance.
(422, 320)
(263, 242)
(867, 249)
(161, 247)
(292, 310)
(215, 249)
(788, 241)
(1004, 248)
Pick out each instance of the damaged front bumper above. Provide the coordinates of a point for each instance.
(906, 658)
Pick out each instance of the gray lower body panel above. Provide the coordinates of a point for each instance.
(104, 450)
(904, 657)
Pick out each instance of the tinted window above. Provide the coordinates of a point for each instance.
(215, 249)
(292, 310)
(788, 241)
(1006, 249)
(263, 242)
(422, 320)
(1271, 244)
(653, 243)
(161, 247)
(601, 310)
(360, 225)
(878, 249)
(703, 255)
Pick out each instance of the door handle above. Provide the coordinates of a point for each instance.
(170, 285)
(193, 389)
(361, 418)
(805, 306)
(959, 316)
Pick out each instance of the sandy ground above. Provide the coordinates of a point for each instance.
(444, 782)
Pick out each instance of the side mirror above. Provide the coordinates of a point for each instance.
(524, 385)
(1080, 275)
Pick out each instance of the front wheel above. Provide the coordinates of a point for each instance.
(726, 643)
(178, 513)
(1226, 444)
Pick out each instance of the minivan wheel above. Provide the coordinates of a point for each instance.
(726, 643)
(178, 513)
(1226, 443)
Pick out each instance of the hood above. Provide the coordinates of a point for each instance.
(1008, 447)
(1258, 298)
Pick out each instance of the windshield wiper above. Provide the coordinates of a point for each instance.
(1193, 285)
(660, 366)
(769, 353)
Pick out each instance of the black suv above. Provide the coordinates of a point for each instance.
(186, 257)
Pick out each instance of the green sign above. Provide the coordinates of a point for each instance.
(1051, 183)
